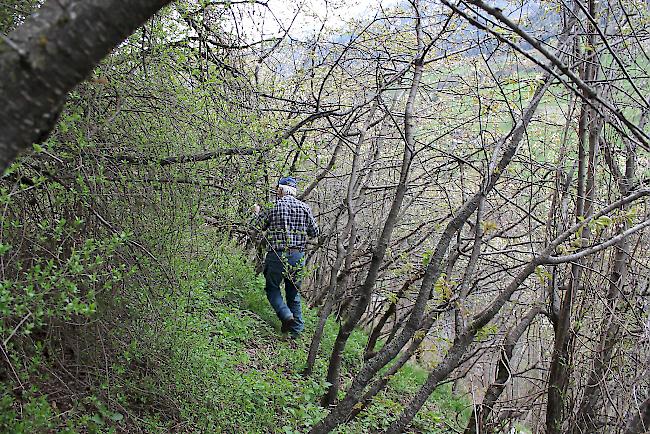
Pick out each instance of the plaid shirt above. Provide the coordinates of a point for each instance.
(289, 223)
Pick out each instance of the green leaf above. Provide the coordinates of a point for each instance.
(442, 287)
(604, 221)
(97, 419)
(4, 248)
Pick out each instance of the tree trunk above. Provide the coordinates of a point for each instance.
(333, 291)
(481, 319)
(404, 357)
(588, 137)
(369, 351)
(53, 51)
(389, 351)
(591, 401)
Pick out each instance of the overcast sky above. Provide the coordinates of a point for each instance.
(311, 16)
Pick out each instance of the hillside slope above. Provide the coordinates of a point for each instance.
(207, 358)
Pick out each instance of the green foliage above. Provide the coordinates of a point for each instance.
(542, 274)
(13, 13)
(443, 413)
(36, 407)
(233, 372)
(486, 332)
(61, 280)
(443, 288)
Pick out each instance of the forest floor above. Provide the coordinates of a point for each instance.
(206, 356)
(269, 394)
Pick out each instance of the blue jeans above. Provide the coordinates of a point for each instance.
(287, 266)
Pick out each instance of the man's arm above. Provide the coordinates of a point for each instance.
(260, 220)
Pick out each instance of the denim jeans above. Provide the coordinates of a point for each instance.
(285, 266)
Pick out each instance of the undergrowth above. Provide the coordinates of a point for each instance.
(204, 355)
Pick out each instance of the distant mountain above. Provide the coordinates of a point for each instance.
(531, 16)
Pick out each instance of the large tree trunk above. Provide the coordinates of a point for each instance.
(54, 50)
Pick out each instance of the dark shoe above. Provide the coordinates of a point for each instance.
(287, 324)
(294, 336)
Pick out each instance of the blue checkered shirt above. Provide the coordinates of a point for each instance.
(289, 223)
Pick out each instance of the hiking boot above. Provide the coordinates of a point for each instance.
(287, 324)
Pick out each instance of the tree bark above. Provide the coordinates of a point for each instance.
(53, 51)
(333, 289)
(404, 357)
(389, 351)
(481, 319)
(591, 401)
(369, 351)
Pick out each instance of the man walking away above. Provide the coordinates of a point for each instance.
(288, 224)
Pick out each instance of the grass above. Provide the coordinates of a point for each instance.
(209, 357)
(442, 410)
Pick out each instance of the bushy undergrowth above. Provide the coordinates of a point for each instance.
(201, 355)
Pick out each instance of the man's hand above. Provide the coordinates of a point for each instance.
(256, 209)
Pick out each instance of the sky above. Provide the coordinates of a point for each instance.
(311, 15)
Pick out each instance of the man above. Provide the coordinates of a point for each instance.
(288, 224)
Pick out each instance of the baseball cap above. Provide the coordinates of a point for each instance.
(289, 181)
